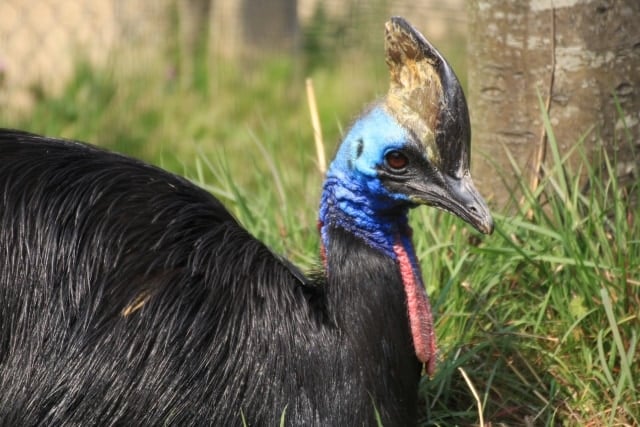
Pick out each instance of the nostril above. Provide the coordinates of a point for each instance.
(473, 209)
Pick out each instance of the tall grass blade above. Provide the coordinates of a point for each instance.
(475, 395)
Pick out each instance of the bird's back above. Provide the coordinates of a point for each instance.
(127, 293)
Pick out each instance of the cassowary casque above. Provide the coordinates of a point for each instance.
(129, 296)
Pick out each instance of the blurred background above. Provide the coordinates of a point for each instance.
(41, 42)
(164, 79)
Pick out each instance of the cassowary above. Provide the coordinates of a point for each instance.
(128, 296)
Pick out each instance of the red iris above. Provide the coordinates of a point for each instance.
(396, 160)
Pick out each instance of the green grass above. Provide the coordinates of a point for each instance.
(542, 316)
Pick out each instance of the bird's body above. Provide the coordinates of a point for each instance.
(134, 298)
(128, 296)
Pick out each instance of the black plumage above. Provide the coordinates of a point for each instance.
(226, 330)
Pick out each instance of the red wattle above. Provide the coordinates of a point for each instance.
(419, 308)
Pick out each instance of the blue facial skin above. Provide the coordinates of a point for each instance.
(353, 196)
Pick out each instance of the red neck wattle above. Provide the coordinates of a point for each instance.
(418, 307)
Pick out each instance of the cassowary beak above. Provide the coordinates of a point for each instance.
(459, 197)
(466, 202)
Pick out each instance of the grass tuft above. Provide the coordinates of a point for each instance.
(542, 315)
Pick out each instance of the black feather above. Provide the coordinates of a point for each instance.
(128, 296)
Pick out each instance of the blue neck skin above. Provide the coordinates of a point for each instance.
(353, 197)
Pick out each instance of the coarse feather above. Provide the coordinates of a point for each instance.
(226, 329)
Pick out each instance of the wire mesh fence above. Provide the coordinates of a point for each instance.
(41, 41)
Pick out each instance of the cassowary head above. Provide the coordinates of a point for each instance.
(413, 147)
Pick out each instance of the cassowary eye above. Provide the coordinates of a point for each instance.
(396, 161)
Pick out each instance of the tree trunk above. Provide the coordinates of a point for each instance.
(579, 56)
(193, 26)
(242, 28)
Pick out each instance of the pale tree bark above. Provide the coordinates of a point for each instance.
(579, 55)
(193, 28)
(214, 34)
(247, 28)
